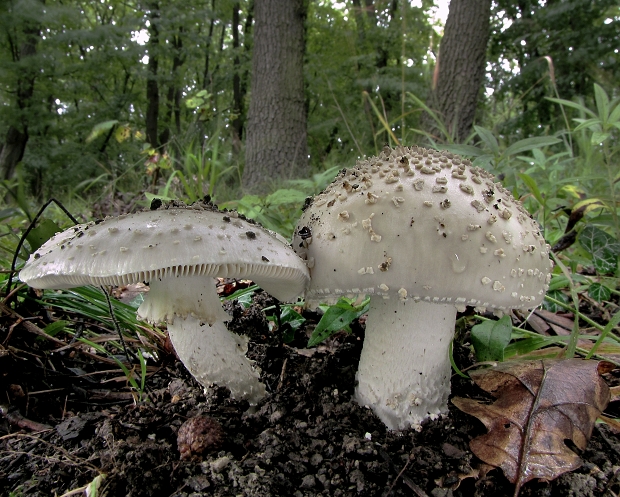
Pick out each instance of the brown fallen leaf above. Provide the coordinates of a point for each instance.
(539, 405)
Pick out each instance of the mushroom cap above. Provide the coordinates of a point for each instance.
(420, 224)
(173, 241)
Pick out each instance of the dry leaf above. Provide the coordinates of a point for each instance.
(614, 424)
(539, 405)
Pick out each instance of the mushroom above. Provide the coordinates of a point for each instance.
(424, 234)
(179, 250)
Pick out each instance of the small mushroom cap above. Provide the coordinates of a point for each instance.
(424, 225)
(176, 241)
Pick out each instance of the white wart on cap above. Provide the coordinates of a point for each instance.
(179, 250)
(424, 234)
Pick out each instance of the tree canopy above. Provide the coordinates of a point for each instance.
(122, 92)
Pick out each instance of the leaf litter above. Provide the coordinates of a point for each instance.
(539, 405)
(307, 438)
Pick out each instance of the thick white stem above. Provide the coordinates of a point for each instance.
(195, 317)
(212, 354)
(404, 370)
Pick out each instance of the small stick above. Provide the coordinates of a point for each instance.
(282, 374)
(406, 479)
(15, 418)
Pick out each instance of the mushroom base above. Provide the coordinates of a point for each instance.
(404, 369)
(212, 354)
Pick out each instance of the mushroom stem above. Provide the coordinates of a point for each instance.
(404, 369)
(212, 354)
(195, 317)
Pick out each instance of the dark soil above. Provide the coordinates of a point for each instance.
(306, 438)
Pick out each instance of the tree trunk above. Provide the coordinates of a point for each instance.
(460, 67)
(276, 137)
(237, 107)
(12, 151)
(152, 86)
(14, 146)
(206, 79)
(173, 98)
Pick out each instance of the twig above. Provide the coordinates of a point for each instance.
(33, 328)
(9, 282)
(15, 418)
(282, 374)
(406, 479)
(398, 476)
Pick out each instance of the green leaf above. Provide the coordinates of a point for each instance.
(594, 124)
(56, 327)
(599, 292)
(483, 161)
(286, 196)
(295, 320)
(528, 144)
(92, 489)
(488, 139)
(453, 362)
(337, 317)
(558, 282)
(527, 345)
(491, 338)
(603, 247)
(573, 105)
(245, 300)
(532, 187)
(614, 115)
(599, 137)
(100, 129)
(602, 102)
(42, 233)
(465, 150)
(151, 196)
(557, 295)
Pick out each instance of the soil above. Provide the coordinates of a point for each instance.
(306, 438)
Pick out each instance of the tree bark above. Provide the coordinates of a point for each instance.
(460, 67)
(237, 107)
(173, 98)
(276, 137)
(14, 146)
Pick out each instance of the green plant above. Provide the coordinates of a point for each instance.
(90, 303)
(280, 210)
(202, 168)
(600, 150)
(338, 317)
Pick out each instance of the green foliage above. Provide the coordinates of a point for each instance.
(90, 302)
(202, 169)
(280, 210)
(45, 229)
(539, 49)
(602, 247)
(337, 317)
(490, 339)
(357, 59)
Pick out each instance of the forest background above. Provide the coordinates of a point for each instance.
(241, 99)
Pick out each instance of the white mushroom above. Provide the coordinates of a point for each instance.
(437, 264)
(179, 251)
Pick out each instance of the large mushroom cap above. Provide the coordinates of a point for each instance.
(177, 241)
(424, 225)
(423, 233)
